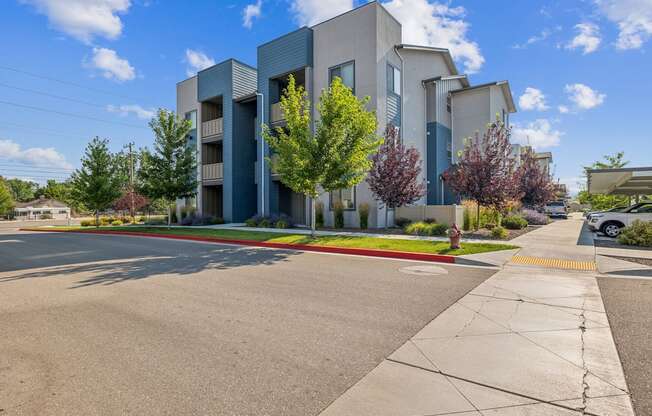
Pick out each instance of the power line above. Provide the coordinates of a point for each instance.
(46, 110)
(37, 129)
(48, 78)
(46, 94)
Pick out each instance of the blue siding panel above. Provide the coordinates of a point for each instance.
(277, 57)
(245, 79)
(439, 139)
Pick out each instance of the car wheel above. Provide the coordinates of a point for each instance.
(611, 229)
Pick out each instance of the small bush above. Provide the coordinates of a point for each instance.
(499, 232)
(363, 211)
(338, 214)
(466, 226)
(281, 224)
(427, 229)
(217, 220)
(514, 222)
(253, 221)
(319, 214)
(116, 223)
(265, 223)
(87, 223)
(534, 218)
(142, 218)
(402, 222)
(637, 234)
(106, 220)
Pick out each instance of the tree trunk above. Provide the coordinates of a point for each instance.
(313, 219)
(477, 219)
(169, 214)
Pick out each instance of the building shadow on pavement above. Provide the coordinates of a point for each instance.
(195, 258)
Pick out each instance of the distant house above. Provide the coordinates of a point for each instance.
(42, 208)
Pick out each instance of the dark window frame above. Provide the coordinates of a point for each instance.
(355, 196)
(391, 89)
(330, 71)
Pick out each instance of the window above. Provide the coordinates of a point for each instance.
(345, 196)
(346, 72)
(448, 103)
(393, 79)
(192, 116)
(449, 149)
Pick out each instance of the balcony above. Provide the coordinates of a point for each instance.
(212, 127)
(212, 171)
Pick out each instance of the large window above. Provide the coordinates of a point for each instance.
(393, 79)
(346, 72)
(345, 196)
(192, 116)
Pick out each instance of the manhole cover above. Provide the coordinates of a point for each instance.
(423, 270)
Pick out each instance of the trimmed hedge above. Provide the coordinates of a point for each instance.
(426, 228)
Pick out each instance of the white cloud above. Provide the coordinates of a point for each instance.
(111, 65)
(251, 12)
(532, 99)
(84, 19)
(440, 25)
(584, 97)
(588, 38)
(197, 61)
(135, 109)
(634, 20)
(563, 109)
(545, 34)
(539, 134)
(35, 156)
(311, 12)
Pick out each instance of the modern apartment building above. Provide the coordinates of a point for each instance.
(416, 88)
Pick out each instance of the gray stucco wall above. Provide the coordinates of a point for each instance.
(471, 113)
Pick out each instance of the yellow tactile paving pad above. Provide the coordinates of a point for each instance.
(554, 263)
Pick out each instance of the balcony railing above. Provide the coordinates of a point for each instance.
(276, 113)
(212, 127)
(212, 171)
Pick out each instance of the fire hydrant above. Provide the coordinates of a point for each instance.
(455, 235)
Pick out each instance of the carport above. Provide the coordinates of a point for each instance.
(632, 182)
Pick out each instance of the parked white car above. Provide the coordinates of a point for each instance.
(556, 209)
(611, 223)
(614, 209)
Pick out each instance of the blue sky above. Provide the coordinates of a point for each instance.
(74, 69)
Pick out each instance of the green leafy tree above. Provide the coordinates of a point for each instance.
(6, 198)
(96, 184)
(336, 155)
(170, 171)
(604, 201)
(21, 190)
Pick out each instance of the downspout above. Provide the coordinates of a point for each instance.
(262, 154)
(402, 89)
(425, 128)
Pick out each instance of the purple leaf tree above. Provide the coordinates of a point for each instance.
(485, 171)
(534, 183)
(394, 175)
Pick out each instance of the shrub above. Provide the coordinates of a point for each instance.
(424, 228)
(265, 223)
(45, 216)
(402, 222)
(281, 224)
(363, 211)
(319, 214)
(87, 223)
(116, 223)
(637, 234)
(514, 222)
(173, 217)
(430, 221)
(338, 213)
(466, 226)
(142, 218)
(217, 220)
(489, 225)
(106, 220)
(253, 221)
(499, 233)
(534, 218)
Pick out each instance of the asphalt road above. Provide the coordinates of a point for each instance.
(628, 303)
(116, 325)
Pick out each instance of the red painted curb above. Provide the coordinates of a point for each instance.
(402, 255)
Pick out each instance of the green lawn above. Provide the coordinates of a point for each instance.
(415, 246)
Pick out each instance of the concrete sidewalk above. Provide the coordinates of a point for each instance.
(528, 341)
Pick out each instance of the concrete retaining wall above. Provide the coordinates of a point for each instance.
(444, 214)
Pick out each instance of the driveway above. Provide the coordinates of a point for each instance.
(108, 325)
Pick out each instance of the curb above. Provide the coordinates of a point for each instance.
(401, 255)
